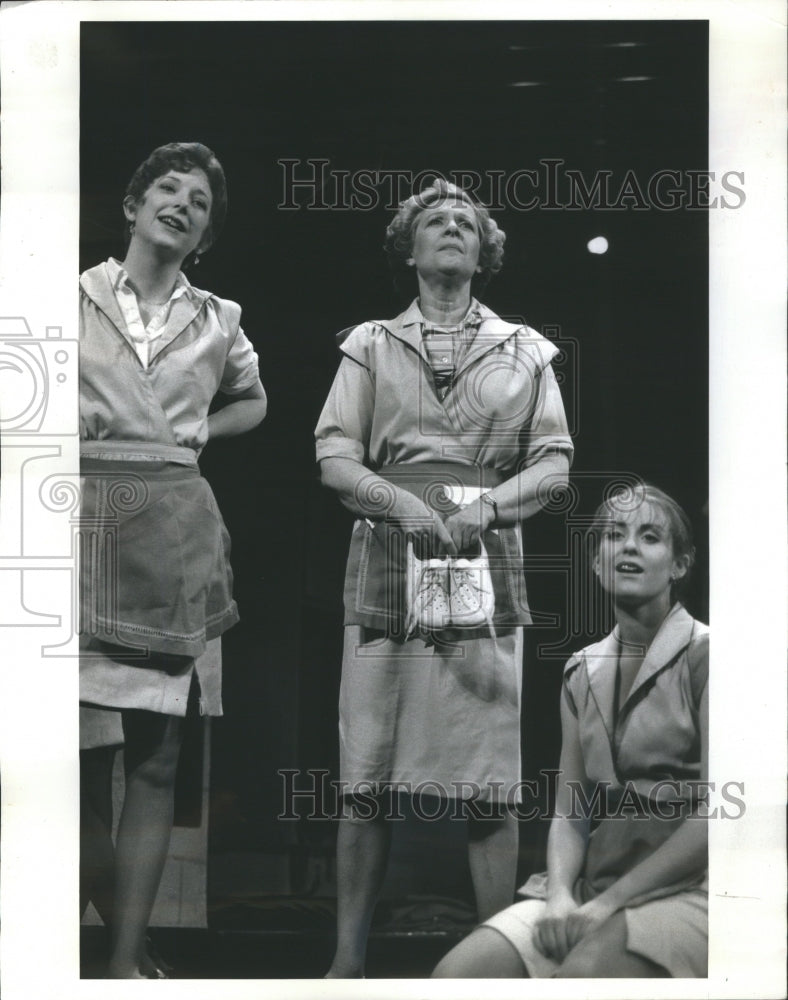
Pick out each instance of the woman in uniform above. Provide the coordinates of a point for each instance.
(156, 585)
(625, 893)
(443, 430)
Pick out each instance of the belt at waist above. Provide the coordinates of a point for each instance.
(429, 480)
(136, 451)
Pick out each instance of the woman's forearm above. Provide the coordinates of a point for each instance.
(682, 855)
(566, 850)
(364, 493)
(243, 414)
(524, 494)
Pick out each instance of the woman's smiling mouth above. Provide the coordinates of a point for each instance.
(173, 223)
(628, 567)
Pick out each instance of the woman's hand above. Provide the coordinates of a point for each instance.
(423, 523)
(468, 524)
(586, 919)
(550, 933)
(565, 924)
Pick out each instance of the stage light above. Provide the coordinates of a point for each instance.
(597, 245)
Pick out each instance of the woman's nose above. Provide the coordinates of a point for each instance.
(452, 227)
(630, 543)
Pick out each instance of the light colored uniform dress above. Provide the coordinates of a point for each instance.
(144, 399)
(436, 714)
(652, 753)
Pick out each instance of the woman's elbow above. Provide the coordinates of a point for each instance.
(259, 410)
(328, 473)
(555, 469)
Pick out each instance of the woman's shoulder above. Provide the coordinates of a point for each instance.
(227, 310)
(600, 651)
(524, 338)
(359, 332)
(94, 279)
(359, 342)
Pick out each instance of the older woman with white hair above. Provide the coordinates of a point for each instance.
(443, 430)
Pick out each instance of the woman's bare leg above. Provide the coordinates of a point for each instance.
(492, 855)
(604, 955)
(484, 954)
(97, 852)
(152, 747)
(362, 855)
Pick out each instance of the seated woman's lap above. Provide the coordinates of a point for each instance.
(503, 947)
(603, 954)
(484, 954)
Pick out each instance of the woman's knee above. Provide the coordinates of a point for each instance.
(152, 749)
(604, 955)
(484, 954)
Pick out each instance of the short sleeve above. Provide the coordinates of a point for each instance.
(569, 687)
(241, 369)
(344, 427)
(547, 431)
(698, 662)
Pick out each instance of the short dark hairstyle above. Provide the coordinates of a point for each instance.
(628, 499)
(183, 156)
(399, 234)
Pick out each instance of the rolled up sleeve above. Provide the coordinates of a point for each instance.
(241, 370)
(547, 432)
(344, 426)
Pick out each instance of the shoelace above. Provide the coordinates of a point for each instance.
(465, 587)
(449, 594)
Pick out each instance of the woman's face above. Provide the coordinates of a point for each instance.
(635, 561)
(174, 213)
(446, 241)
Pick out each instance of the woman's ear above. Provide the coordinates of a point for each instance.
(129, 208)
(410, 262)
(680, 567)
(595, 565)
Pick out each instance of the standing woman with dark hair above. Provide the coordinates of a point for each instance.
(443, 430)
(156, 584)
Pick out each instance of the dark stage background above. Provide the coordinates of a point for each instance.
(446, 96)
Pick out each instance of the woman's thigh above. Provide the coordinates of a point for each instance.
(603, 955)
(152, 744)
(484, 954)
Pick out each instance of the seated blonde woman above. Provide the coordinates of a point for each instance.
(625, 891)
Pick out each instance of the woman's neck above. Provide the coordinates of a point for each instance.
(444, 303)
(153, 279)
(637, 625)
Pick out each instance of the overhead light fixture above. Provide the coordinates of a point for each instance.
(527, 83)
(632, 79)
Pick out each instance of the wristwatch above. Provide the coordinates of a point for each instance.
(489, 499)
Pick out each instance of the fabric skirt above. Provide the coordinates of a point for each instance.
(444, 718)
(106, 680)
(156, 588)
(672, 932)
